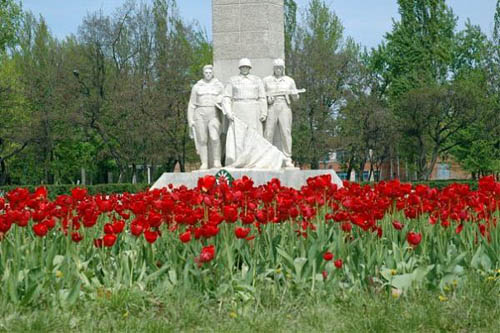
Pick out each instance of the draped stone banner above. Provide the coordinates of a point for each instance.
(245, 148)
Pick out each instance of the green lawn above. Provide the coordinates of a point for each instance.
(472, 307)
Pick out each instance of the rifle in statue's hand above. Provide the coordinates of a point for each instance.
(286, 92)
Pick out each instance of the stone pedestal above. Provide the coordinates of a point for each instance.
(251, 29)
(291, 178)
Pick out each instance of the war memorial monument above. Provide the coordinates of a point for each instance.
(247, 97)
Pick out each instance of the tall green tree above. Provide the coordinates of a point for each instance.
(478, 145)
(433, 118)
(419, 49)
(434, 79)
(181, 50)
(290, 28)
(15, 124)
(322, 60)
(10, 21)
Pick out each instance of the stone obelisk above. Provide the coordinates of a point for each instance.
(251, 29)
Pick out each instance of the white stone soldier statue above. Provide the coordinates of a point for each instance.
(204, 118)
(245, 105)
(245, 97)
(280, 89)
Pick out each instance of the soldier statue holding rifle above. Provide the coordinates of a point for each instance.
(280, 90)
(204, 118)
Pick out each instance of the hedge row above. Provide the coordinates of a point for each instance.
(440, 184)
(55, 190)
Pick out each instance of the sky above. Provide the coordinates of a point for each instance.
(366, 21)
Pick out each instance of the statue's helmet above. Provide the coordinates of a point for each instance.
(279, 63)
(211, 67)
(245, 62)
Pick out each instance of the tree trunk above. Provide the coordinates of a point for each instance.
(182, 165)
(3, 172)
(362, 170)
(432, 163)
(170, 165)
(350, 167)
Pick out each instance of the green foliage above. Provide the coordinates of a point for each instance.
(10, 16)
(321, 61)
(419, 49)
(56, 190)
(112, 98)
(275, 284)
(440, 184)
(432, 118)
(290, 27)
(439, 84)
(365, 125)
(472, 307)
(109, 100)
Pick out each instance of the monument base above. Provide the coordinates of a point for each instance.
(294, 178)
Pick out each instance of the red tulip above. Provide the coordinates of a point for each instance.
(76, 237)
(413, 238)
(136, 229)
(2, 203)
(445, 223)
(230, 213)
(118, 227)
(40, 229)
(209, 230)
(40, 192)
(5, 224)
(247, 218)
(346, 226)
(215, 218)
(294, 212)
(185, 237)
(50, 223)
(109, 240)
(23, 218)
(397, 225)
(241, 232)
(261, 216)
(206, 183)
(150, 236)
(98, 242)
(108, 229)
(338, 263)
(154, 219)
(328, 256)
(482, 229)
(78, 193)
(207, 254)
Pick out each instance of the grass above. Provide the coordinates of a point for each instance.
(473, 307)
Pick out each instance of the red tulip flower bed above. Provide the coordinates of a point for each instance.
(225, 238)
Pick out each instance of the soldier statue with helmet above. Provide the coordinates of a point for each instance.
(245, 97)
(280, 90)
